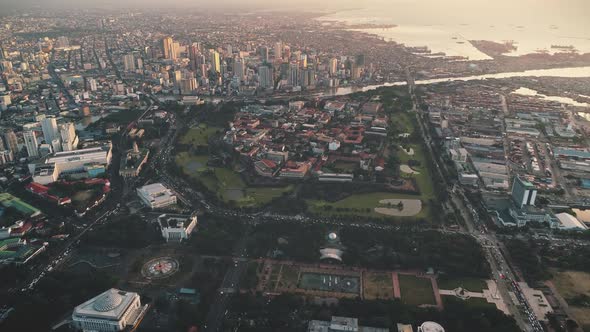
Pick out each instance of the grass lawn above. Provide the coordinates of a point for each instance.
(424, 179)
(226, 183)
(403, 122)
(363, 205)
(377, 285)
(471, 284)
(199, 135)
(571, 284)
(415, 290)
(191, 164)
(289, 277)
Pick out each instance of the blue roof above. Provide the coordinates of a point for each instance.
(585, 183)
(188, 291)
(571, 153)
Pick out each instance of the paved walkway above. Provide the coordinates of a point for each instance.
(396, 290)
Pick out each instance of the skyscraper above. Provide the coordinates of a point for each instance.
(333, 69)
(303, 60)
(49, 126)
(31, 143)
(294, 75)
(129, 62)
(168, 46)
(264, 53)
(239, 69)
(215, 61)
(278, 51)
(523, 192)
(68, 136)
(10, 141)
(265, 77)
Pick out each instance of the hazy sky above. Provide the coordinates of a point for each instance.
(451, 8)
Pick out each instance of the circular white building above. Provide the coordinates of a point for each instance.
(430, 327)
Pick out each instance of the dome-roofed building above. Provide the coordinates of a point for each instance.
(113, 310)
(430, 327)
(333, 249)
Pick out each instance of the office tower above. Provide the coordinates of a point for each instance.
(303, 61)
(193, 54)
(68, 135)
(333, 68)
(215, 61)
(139, 62)
(229, 50)
(294, 75)
(307, 78)
(31, 143)
(129, 62)
(360, 60)
(239, 69)
(355, 71)
(2, 54)
(264, 53)
(168, 46)
(10, 141)
(287, 52)
(2, 145)
(49, 126)
(188, 85)
(265, 77)
(523, 192)
(278, 51)
(56, 145)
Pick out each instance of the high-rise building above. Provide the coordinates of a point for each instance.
(11, 141)
(31, 143)
(56, 145)
(278, 51)
(360, 60)
(333, 68)
(294, 75)
(239, 69)
(264, 53)
(50, 131)
(215, 61)
(523, 192)
(169, 48)
(129, 62)
(69, 139)
(303, 60)
(307, 78)
(193, 53)
(265, 77)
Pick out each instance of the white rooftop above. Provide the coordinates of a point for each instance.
(111, 304)
(568, 221)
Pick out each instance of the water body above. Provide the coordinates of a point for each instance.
(563, 100)
(447, 26)
(556, 72)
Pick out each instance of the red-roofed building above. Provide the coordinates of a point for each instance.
(265, 167)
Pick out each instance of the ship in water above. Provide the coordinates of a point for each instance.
(563, 47)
